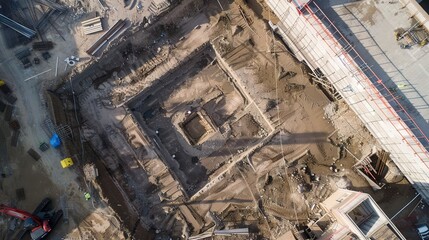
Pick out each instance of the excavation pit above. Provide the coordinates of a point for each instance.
(198, 127)
(195, 118)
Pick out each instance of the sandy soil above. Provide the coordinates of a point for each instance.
(307, 128)
(253, 180)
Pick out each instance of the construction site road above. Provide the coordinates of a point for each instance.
(43, 178)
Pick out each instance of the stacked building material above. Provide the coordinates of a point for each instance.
(43, 46)
(106, 37)
(43, 21)
(159, 6)
(92, 25)
(23, 55)
(27, 32)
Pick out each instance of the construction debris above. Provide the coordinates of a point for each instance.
(286, 74)
(293, 87)
(90, 171)
(225, 232)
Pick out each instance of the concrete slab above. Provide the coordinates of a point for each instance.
(370, 27)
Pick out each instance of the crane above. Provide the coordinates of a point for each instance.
(39, 223)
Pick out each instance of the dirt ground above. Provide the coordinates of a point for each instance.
(305, 131)
(246, 188)
(259, 156)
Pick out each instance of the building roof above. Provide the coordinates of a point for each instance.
(357, 214)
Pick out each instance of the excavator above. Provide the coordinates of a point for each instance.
(39, 223)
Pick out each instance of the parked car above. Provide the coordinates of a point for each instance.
(423, 231)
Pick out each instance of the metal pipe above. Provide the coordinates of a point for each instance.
(37, 75)
(56, 68)
(414, 208)
(418, 194)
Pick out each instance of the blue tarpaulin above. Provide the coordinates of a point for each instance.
(55, 141)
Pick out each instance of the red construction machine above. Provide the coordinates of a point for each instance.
(39, 223)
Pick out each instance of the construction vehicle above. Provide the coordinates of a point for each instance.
(40, 223)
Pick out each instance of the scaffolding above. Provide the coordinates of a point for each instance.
(305, 27)
(63, 131)
(363, 72)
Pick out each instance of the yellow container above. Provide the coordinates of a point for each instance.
(66, 162)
